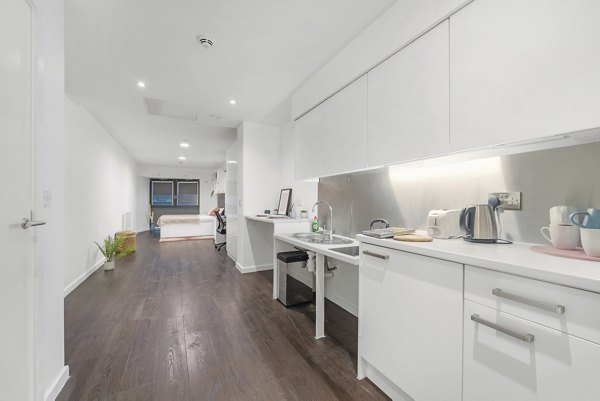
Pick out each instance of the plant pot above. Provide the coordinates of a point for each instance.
(108, 266)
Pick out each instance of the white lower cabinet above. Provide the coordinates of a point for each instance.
(555, 366)
(410, 324)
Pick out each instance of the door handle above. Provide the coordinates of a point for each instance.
(528, 338)
(559, 309)
(26, 223)
(376, 255)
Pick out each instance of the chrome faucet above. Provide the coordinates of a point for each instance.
(330, 214)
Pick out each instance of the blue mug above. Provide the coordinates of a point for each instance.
(591, 218)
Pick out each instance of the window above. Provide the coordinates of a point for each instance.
(162, 193)
(187, 193)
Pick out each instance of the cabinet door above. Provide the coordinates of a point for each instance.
(521, 70)
(497, 367)
(409, 102)
(308, 151)
(332, 138)
(410, 318)
(344, 138)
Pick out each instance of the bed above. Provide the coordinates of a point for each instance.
(186, 225)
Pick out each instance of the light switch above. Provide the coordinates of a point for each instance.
(47, 198)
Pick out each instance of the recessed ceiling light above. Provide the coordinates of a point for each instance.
(184, 144)
(181, 157)
(232, 161)
(141, 84)
(232, 101)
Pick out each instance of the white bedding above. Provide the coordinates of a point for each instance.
(186, 225)
(183, 218)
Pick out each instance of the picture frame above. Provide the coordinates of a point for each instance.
(285, 199)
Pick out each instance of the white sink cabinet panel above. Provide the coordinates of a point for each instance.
(554, 367)
(410, 321)
(308, 145)
(409, 108)
(521, 70)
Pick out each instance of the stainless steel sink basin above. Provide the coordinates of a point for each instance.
(347, 250)
(318, 238)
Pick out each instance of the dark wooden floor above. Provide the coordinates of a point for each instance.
(176, 321)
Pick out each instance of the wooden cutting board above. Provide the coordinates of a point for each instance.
(413, 238)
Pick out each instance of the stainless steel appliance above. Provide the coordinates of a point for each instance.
(291, 290)
(443, 223)
(478, 224)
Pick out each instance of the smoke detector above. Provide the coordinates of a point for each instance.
(205, 41)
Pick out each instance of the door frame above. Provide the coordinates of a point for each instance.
(33, 288)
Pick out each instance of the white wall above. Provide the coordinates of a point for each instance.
(101, 186)
(259, 186)
(231, 198)
(402, 23)
(142, 201)
(50, 141)
(206, 201)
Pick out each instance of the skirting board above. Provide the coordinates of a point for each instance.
(341, 302)
(52, 392)
(82, 278)
(384, 384)
(252, 269)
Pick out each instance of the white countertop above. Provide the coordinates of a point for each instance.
(515, 259)
(275, 221)
(324, 249)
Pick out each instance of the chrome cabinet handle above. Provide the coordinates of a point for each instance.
(559, 309)
(376, 255)
(528, 338)
(26, 223)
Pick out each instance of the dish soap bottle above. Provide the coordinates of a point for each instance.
(315, 225)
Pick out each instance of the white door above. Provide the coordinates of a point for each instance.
(521, 70)
(408, 102)
(16, 306)
(555, 366)
(344, 139)
(410, 321)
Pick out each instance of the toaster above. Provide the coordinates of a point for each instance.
(444, 223)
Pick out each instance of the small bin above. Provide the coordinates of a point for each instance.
(291, 290)
(129, 244)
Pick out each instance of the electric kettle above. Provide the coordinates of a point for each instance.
(478, 224)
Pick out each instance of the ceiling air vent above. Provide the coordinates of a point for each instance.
(205, 41)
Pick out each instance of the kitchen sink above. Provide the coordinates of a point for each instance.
(347, 250)
(319, 238)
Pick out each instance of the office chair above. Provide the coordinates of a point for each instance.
(221, 229)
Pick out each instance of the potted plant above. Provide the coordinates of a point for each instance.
(110, 250)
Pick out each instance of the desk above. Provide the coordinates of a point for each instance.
(260, 232)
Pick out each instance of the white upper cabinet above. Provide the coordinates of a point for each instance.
(521, 70)
(345, 131)
(332, 138)
(408, 111)
(308, 150)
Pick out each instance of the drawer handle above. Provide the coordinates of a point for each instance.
(559, 309)
(528, 338)
(376, 255)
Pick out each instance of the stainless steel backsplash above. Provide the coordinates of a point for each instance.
(404, 194)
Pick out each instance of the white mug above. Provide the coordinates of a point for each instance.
(590, 240)
(562, 236)
(560, 214)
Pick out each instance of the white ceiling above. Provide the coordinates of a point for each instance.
(264, 49)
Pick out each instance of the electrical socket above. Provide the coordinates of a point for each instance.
(508, 200)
